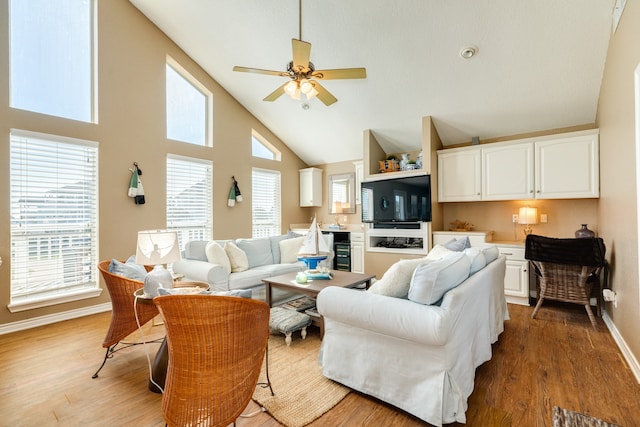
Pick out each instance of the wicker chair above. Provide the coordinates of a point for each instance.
(567, 269)
(123, 318)
(216, 347)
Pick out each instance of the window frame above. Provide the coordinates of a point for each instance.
(189, 78)
(74, 292)
(255, 196)
(208, 228)
(276, 154)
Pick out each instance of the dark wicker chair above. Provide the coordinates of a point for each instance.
(568, 270)
(123, 318)
(216, 348)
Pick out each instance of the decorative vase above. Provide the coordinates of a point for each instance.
(584, 232)
(404, 161)
(419, 160)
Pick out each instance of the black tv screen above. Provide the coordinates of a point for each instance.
(404, 199)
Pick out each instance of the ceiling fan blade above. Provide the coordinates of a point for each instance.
(341, 73)
(275, 94)
(259, 71)
(324, 95)
(301, 55)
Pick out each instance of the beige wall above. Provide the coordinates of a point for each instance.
(619, 194)
(131, 69)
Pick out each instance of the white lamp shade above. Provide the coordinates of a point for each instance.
(157, 247)
(528, 215)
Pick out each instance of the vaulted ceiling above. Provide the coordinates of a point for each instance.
(538, 66)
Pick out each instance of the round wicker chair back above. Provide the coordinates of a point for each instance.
(216, 348)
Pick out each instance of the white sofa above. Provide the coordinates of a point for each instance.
(420, 358)
(265, 257)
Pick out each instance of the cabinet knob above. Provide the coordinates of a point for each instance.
(477, 194)
(538, 191)
(530, 191)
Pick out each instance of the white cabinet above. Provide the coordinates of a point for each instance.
(507, 172)
(562, 166)
(516, 278)
(310, 187)
(357, 252)
(359, 169)
(459, 175)
(567, 168)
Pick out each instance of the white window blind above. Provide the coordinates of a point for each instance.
(189, 198)
(53, 203)
(265, 198)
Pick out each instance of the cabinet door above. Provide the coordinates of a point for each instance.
(359, 174)
(310, 187)
(459, 178)
(516, 279)
(508, 172)
(567, 168)
(357, 257)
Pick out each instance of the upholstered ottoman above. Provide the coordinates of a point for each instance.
(287, 321)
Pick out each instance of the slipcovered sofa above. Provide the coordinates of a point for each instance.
(415, 340)
(242, 263)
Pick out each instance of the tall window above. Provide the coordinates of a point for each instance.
(262, 148)
(53, 203)
(52, 57)
(189, 198)
(265, 196)
(189, 107)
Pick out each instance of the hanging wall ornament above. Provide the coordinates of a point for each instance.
(231, 201)
(135, 185)
(236, 189)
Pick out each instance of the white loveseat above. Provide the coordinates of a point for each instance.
(255, 259)
(418, 357)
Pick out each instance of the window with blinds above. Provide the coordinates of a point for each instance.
(265, 208)
(190, 198)
(53, 203)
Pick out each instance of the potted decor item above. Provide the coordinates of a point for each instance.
(584, 232)
(391, 164)
(411, 165)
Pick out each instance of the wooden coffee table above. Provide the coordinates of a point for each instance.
(288, 282)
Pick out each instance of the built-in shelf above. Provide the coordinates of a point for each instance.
(399, 240)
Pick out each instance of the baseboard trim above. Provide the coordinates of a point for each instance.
(53, 318)
(622, 345)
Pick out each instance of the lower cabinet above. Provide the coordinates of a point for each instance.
(357, 253)
(516, 278)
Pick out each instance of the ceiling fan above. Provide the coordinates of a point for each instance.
(303, 75)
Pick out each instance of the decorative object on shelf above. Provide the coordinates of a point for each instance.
(584, 232)
(458, 225)
(404, 161)
(234, 193)
(419, 160)
(528, 216)
(411, 165)
(391, 164)
(314, 248)
(136, 191)
(158, 248)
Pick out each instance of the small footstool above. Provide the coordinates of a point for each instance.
(287, 321)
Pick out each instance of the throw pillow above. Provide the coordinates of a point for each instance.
(217, 255)
(237, 258)
(395, 281)
(258, 251)
(128, 269)
(437, 252)
(289, 249)
(477, 259)
(458, 245)
(490, 252)
(432, 280)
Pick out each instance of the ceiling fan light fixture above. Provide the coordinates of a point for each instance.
(305, 86)
(291, 88)
(312, 93)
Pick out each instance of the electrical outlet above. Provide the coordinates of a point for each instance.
(514, 218)
(543, 218)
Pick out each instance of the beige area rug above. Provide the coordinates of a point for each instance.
(302, 394)
(566, 418)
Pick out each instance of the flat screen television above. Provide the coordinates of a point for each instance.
(403, 199)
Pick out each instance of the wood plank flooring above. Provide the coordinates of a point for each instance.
(557, 359)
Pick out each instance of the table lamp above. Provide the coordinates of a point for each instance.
(157, 248)
(527, 216)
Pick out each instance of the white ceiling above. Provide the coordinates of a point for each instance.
(539, 65)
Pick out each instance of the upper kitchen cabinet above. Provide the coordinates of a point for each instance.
(561, 166)
(310, 187)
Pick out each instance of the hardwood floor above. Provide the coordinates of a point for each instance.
(557, 359)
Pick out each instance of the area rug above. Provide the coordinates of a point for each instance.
(567, 418)
(302, 394)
